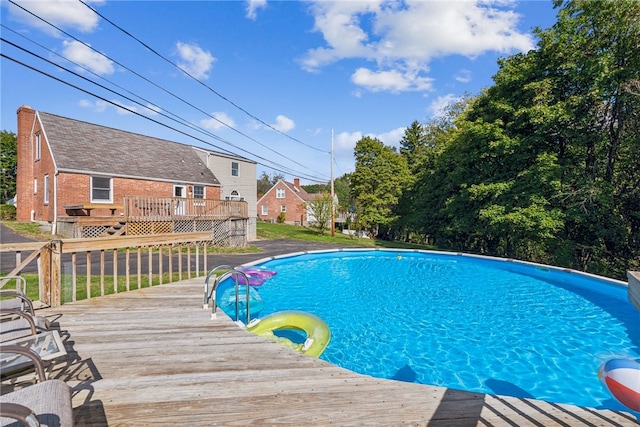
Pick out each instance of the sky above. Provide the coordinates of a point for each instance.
(290, 85)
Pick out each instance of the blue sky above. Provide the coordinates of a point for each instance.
(267, 80)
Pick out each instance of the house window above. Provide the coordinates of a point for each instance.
(100, 189)
(37, 147)
(279, 193)
(283, 208)
(35, 186)
(235, 169)
(265, 209)
(46, 188)
(198, 192)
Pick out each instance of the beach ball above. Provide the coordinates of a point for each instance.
(622, 379)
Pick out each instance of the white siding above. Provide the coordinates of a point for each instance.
(245, 184)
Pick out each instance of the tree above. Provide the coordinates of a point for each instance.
(543, 165)
(320, 209)
(265, 183)
(380, 177)
(8, 164)
(342, 189)
(316, 188)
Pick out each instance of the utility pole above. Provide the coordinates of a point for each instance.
(333, 210)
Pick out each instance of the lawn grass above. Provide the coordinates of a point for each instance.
(267, 230)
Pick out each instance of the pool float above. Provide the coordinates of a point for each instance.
(257, 272)
(316, 330)
(622, 379)
(227, 302)
(253, 280)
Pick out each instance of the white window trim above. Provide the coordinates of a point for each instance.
(110, 190)
(265, 210)
(283, 208)
(46, 189)
(38, 146)
(236, 169)
(35, 185)
(204, 191)
(280, 193)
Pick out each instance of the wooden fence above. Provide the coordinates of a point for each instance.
(73, 269)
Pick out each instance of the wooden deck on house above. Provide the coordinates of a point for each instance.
(154, 357)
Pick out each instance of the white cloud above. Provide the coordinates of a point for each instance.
(195, 61)
(345, 143)
(391, 80)
(253, 6)
(393, 137)
(401, 38)
(438, 105)
(283, 123)
(219, 120)
(83, 55)
(463, 76)
(100, 106)
(61, 13)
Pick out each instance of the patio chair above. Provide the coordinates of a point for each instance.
(15, 298)
(47, 403)
(16, 324)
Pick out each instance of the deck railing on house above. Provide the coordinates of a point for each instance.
(73, 269)
(142, 208)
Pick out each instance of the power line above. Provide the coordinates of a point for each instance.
(3, 55)
(167, 91)
(195, 78)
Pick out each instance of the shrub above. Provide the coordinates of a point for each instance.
(281, 218)
(7, 212)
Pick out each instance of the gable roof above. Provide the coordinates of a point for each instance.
(82, 147)
(300, 192)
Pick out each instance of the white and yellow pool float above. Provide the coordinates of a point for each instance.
(316, 330)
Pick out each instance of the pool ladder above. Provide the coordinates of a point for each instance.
(221, 273)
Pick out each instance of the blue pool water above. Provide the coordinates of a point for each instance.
(462, 322)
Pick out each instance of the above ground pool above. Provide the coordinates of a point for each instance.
(473, 323)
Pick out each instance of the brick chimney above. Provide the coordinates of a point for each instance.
(25, 174)
(296, 182)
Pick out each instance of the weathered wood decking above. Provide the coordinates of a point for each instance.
(154, 357)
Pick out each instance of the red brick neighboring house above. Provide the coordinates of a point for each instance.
(285, 197)
(63, 162)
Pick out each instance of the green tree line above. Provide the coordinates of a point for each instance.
(544, 165)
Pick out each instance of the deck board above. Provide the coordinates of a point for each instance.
(155, 357)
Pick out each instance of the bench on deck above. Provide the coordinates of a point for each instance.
(87, 208)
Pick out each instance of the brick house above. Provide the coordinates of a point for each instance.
(288, 198)
(65, 163)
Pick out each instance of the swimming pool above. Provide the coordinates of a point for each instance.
(464, 322)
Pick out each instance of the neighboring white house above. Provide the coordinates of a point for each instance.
(237, 177)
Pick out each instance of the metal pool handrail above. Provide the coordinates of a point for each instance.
(219, 269)
(235, 274)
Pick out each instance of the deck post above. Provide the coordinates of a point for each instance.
(44, 269)
(56, 273)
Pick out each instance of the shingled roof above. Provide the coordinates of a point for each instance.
(83, 147)
(299, 191)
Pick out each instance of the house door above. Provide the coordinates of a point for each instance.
(179, 191)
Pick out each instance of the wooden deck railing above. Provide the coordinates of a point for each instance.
(74, 269)
(140, 208)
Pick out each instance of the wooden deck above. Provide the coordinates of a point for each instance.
(155, 357)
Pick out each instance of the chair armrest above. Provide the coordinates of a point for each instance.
(30, 354)
(19, 313)
(21, 282)
(16, 294)
(20, 413)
